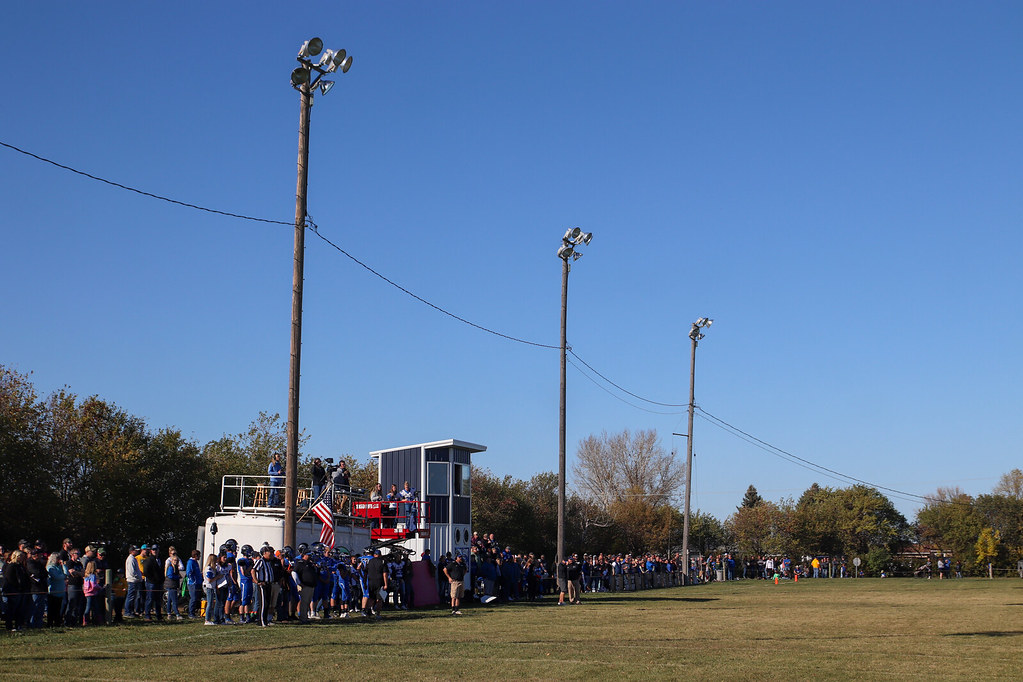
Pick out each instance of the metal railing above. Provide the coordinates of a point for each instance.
(266, 494)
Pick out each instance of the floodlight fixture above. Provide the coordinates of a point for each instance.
(584, 238)
(326, 58)
(325, 86)
(571, 235)
(576, 255)
(346, 64)
(300, 76)
(565, 251)
(339, 57)
(311, 48)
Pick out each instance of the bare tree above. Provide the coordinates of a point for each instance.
(613, 467)
(1011, 485)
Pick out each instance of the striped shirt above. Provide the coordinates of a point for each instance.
(264, 571)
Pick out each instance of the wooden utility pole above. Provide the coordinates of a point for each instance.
(561, 415)
(694, 335)
(291, 461)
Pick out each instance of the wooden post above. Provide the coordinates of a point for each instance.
(291, 460)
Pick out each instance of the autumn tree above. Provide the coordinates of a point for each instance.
(24, 468)
(364, 474)
(950, 521)
(814, 522)
(987, 547)
(1004, 514)
(501, 506)
(868, 519)
(1010, 485)
(706, 533)
(612, 466)
(755, 529)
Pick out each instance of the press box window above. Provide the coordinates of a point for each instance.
(462, 476)
(436, 478)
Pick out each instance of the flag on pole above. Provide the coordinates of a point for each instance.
(322, 511)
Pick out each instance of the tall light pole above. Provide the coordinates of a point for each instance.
(303, 80)
(572, 239)
(695, 334)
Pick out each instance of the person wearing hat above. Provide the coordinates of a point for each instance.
(342, 484)
(308, 575)
(319, 475)
(65, 549)
(36, 568)
(376, 580)
(101, 580)
(136, 583)
(455, 572)
(263, 573)
(574, 579)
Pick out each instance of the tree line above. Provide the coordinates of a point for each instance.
(86, 468)
(625, 500)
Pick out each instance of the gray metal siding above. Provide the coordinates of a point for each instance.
(438, 455)
(461, 510)
(438, 508)
(398, 466)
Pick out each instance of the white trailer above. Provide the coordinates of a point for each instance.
(258, 528)
(246, 516)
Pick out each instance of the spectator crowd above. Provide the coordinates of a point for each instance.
(242, 585)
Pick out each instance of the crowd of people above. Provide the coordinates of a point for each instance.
(242, 585)
(61, 588)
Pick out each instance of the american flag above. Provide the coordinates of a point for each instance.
(323, 513)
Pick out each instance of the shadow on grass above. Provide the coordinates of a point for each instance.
(988, 633)
(634, 599)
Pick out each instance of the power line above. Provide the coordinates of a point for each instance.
(616, 397)
(422, 300)
(639, 397)
(795, 459)
(280, 222)
(142, 192)
(817, 468)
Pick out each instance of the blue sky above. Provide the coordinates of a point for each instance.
(836, 184)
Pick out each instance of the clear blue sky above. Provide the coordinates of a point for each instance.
(838, 185)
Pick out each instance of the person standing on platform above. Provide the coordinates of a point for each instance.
(275, 470)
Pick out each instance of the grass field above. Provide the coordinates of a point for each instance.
(840, 629)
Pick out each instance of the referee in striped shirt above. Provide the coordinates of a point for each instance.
(264, 574)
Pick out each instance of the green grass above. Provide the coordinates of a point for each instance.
(841, 629)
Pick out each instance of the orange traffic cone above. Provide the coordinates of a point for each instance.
(775, 578)
(796, 576)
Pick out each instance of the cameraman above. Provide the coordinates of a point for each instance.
(319, 479)
(342, 484)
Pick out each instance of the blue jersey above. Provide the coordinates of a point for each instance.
(244, 569)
